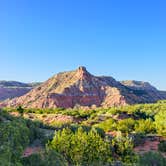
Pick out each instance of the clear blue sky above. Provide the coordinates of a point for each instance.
(125, 39)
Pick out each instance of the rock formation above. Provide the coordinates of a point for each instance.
(80, 88)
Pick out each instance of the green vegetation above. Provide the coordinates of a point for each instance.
(151, 159)
(15, 135)
(162, 146)
(123, 149)
(46, 158)
(160, 122)
(81, 147)
(83, 137)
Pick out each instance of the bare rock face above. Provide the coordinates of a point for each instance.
(79, 88)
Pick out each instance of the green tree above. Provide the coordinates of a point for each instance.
(14, 137)
(81, 148)
(126, 125)
(145, 126)
(107, 125)
(160, 122)
(123, 149)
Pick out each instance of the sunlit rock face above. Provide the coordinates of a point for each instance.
(79, 88)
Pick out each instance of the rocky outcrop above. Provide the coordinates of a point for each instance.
(79, 88)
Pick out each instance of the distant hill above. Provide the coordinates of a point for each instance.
(148, 91)
(138, 85)
(11, 89)
(79, 88)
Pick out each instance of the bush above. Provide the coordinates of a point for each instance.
(151, 159)
(16, 134)
(138, 138)
(145, 126)
(162, 146)
(50, 158)
(126, 125)
(14, 137)
(81, 148)
(123, 149)
(107, 125)
(160, 122)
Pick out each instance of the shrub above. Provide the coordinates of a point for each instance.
(145, 126)
(126, 125)
(139, 138)
(123, 148)
(151, 159)
(162, 146)
(14, 137)
(107, 125)
(160, 122)
(81, 148)
(50, 158)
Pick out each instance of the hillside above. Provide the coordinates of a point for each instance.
(128, 135)
(146, 88)
(138, 85)
(80, 88)
(11, 89)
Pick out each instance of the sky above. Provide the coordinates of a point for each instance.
(125, 39)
